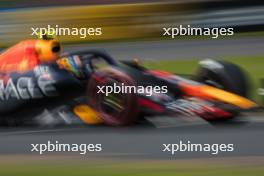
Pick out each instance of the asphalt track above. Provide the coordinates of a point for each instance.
(180, 49)
(141, 141)
(146, 141)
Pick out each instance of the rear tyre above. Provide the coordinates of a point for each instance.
(116, 109)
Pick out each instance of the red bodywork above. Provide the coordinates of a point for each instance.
(26, 55)
(20, 58)
(190, 90)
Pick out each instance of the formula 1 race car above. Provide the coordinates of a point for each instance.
(35, 77)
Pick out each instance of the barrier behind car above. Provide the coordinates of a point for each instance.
(127, 21)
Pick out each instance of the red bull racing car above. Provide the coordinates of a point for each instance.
(35, 78)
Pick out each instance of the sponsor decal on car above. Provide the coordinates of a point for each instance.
(27, 88)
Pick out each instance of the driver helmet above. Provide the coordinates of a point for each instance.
(72, 64)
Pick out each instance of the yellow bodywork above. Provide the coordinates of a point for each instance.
(44, 50)
(87, 114)
(228, 97)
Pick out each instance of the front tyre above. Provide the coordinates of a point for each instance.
(224, 75)
(227, 76)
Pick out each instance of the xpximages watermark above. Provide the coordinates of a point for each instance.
(62, 147)
(188, 30)
(64, 31)
(124, 89)
(188, 146)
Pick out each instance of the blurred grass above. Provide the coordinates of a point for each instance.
(129, 168)
(253, 65)
(118, 21)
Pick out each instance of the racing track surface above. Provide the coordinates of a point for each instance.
(145, 141)
(141, 141)
(181, 49)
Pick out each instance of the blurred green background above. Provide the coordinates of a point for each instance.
(66, 166)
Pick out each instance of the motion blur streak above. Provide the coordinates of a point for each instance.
(117, 21)
(127, 20)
